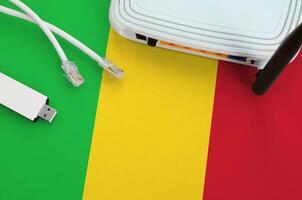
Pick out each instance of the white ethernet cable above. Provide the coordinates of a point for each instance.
(24, 100)
(104, 63)
(69, 67)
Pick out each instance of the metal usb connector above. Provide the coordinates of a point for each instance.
(47, 113)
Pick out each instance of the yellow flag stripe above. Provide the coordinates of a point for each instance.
(152, 128)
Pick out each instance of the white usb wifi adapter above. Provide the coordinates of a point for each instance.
(24, 100)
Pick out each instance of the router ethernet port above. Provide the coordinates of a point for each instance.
(141, 37)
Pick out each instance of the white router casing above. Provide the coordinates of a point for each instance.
(241, 31)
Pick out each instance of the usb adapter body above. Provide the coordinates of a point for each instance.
(24, 100)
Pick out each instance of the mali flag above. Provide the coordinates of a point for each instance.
(177, 127)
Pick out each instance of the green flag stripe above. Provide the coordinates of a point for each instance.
(38, 160)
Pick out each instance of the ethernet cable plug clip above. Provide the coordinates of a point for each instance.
(111, 68)
(72, 73)
(24, 100)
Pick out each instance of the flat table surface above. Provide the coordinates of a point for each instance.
(177, 126)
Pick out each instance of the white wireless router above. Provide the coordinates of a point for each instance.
(262, 33)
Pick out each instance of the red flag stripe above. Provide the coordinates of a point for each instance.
(256, 142)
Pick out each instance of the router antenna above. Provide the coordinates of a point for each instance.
(287, 50)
